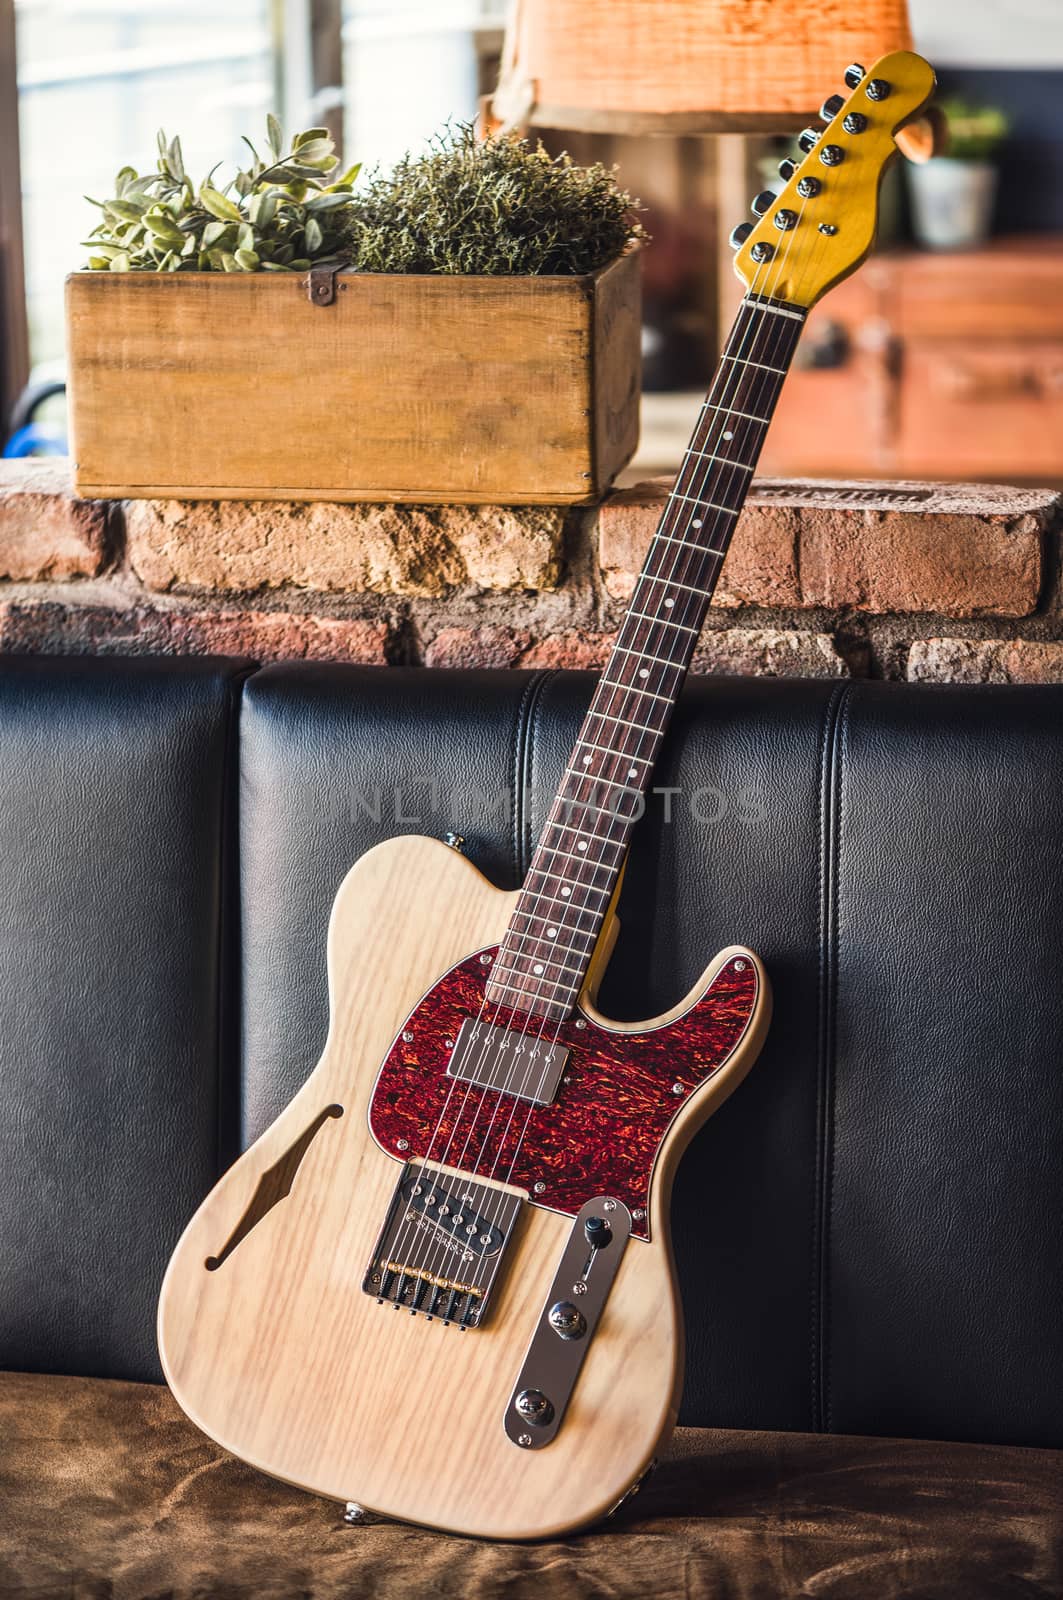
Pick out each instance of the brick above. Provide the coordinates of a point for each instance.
(985, 661)
(964, 550)
(45, 626)
(577, 651)
(379, 549)
(45, 530)
(476, 647)
(768, 653)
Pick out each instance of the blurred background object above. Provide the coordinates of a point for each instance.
(880, 383)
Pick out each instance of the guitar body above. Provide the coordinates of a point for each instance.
(269, 1339)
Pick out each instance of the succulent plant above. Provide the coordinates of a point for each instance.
(494, 206)
(279, 215)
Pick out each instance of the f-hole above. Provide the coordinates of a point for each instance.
(274, 1185)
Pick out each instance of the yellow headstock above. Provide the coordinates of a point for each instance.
(805, 260)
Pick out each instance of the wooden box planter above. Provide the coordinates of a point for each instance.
(217, 386)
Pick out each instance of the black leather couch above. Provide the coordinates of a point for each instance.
(869, 1234)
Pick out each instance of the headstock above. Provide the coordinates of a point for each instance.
(821, 224)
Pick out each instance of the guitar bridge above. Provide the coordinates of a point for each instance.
(442, 1244)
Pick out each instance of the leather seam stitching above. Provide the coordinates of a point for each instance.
(841, 747)
(825, 841)
(522, 747)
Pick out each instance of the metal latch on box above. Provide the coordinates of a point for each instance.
(321, 284)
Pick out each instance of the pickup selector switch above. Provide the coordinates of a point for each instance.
(567, 1320)
(598, 1232)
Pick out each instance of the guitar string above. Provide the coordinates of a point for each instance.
(748, 340)
(774, 346)
(573, 802)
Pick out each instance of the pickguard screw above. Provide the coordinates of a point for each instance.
(524, 1439)
(402, 1144)
(407, 1036)
(449, 1044)
(539, 1187)
(740, 966)
(677, 1088)
(486, 960)
(581, 1022)
(609, 1205)
(639, 1213)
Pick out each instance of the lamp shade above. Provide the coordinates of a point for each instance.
(685, 66)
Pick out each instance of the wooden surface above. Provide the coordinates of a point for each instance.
(806, 263)
(14, 331)
(279, 1355)
(945, 365)
(233, 386)
(691, 56)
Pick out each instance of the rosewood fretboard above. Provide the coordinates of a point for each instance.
(543, 960)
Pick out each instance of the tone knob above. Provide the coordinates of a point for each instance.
(598, 1232)
(787, 168)
(567, 1320)
(832, 155)
(763, 202)
(854, 75)
(855, 122)
(740, 234)
(878, 89)
(534, 1407)
(808, 139)
(831, 106)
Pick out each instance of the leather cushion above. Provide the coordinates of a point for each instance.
(113, 783)
(110, 1494)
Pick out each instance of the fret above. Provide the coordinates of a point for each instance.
(775, 311)
(632, 688)
(707, 505)
(552, 944)
(745, 362)
(673, 583)
(704, 455)
(625, 722)
(643, 655)
(577, 860)
(642, 617)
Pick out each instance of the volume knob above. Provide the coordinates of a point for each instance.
(534, 1407)
(567, 1320)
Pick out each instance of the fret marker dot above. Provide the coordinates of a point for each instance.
(728, 435)
(537, 970)
(696, 522)
(565, 893)
(587, 760)
(669, 603)
(581, 845)
(551, 933)
(644, 672)
(633, 772)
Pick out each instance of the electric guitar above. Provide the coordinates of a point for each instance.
(441, 1284)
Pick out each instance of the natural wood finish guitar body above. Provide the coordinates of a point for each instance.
(281, 1357)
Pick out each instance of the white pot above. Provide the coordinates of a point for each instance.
(952, 202)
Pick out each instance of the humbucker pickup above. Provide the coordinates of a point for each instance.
(513, 1062)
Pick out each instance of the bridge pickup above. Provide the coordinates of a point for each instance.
(442, 1243)
(513, 1062)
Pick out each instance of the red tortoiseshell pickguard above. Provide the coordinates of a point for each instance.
(602, 1132)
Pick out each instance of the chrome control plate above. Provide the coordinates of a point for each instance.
(567, 1323)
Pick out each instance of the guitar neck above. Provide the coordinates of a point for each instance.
(544, 957)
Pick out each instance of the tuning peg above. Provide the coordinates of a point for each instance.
(831, 106)
(854, 75)
(808, 139)
(762, 202)
(878, 89)
(787, 168)
(739, 235)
